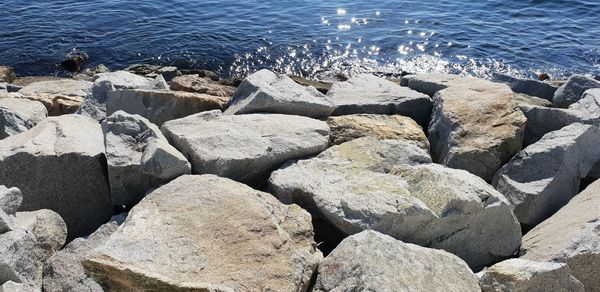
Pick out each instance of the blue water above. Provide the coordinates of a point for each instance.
(314, 38)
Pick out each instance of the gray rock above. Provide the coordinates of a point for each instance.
(543, 177)
(162, 106)
(167, 73)
(527, 86)
(373, 95)
(94, 105)
(202, 233)
(245, 148)
(125, 80)
(160, 83)
(11, 286)
(21, 260)
(7, 74)
(198, 84)
(60, 165)
(589, 104)
(392, 187)
(571, 236)
(371, 261)
(430, 84)
(266, 92)
(64, 272)
(10, 199)
(543, 120)
(64, 87)
(573, 90)
(520, 275)
(139, 157)
(47, 226)
(18, 115)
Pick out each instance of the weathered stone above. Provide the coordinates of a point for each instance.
(527, 86)
(19, 115)
(21, 260)
(543, 177)
(571, 236)
(321, 86)
(65, 87)
(202, 73)
(94, 105)
(370, 94)
(88, 73)
(47, 226)
(11, 286)
(573, 90)
(161, 106)
(26, 80)
(392, 187)
(139, 157)
(430, 84)
(543, 120)
(371, 261)
(525, 100)
(10, 199)
(589, 104)
(56, 105)
(160, 83)
(125, 80)
(60, 165)
(7, 74)
(64, 272)
(200, 233)
(168, 73)
(205, 85)
(6, 222)
(266, 92)
(520, 275)
(245, 148)
(350, 127)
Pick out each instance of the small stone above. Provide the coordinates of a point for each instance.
(543, 77)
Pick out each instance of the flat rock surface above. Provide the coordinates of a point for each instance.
(18, 115)
(66, 87)
(205, 85)
(124, 80)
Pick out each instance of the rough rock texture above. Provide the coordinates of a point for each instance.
(10, 199)
(543, 120)
(59, 96)
(60, 165)
(205, 85)
(543, 177)
(371, 261)
(64, 272)
(245, 148)
(371, 94)
(430, 84)
(589, 104)
(350, 127)
(94, 105)
(19, 115)
(21, 260)
(571, 236)
(125, 80)
(392, 187)
(161, 106)
(321, 86)
(139, 157)
(11, 286)
(527, 86)
(205, 232)
(573, 90)
(520, 275)
(7, 74)
(47, 226)
(266, 92)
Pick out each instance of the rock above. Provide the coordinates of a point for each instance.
(74, 61)
(527, 86)
(202, 73)
(571, 236)
(543, 77)
(573, 90)
(527, 100)
(543, 177)
(168, 73)
(125, 80)
(142, 69)
(371, 261)
(160, 83)
(477, 129)
(60, 165)
(392, 187)
(139, 157)
(430, 84)
(47, 226)
(10, 199)
(205, 85)
(350, 127)
(11, 286)
(370, 94)
(543, 120)
(266, 92)
(7, 74)
(245, 148)
(56, 105)
(64, 272)
(589, 104)
(94, 105)
(321, 86)
(161, 106)
(206, 232)
(19, 115)
(21, 260)
(26, 80)
(524, 275)
(59, 96)
(88, 73)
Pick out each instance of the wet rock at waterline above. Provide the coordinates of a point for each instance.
(18, 115)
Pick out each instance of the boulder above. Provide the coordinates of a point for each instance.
(124, 80)
(11, 286)
(524, 275)
(26, 80)
(543, 177)
(21, 260)
(573, 90)
(371, 94)
(94, 105)
(19, 115)
(571, 236)
(7, 74)
(64, 272)
(245, 148)
(321, 86)
(350, 127)
(10, 199)
(48, 227)
(430, 84)
(89, 73)
(63, 96)
(161, 106)
(60, 165)
(543, 120)
(527, 86)
(371, 261)
(205, 85)
(200, 233)
(202, 73)
(589, 104)
(392, 187)
(525, 100)
(139, 157)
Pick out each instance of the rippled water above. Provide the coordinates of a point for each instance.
(307, 37)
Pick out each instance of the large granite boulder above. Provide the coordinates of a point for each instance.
(589, 104)
(200, 233)
(94, 105)
(245, 148)
(19, 115)
(197, 84)
(571, 236)
(11, 286)
(392, 187)
(161, 106)
(266, 92)
(60, 165)
(531, 87)
(47, 226)
(373, 95)
(139, 157)
(371, 261)
(63, 96)
(524, 275)
(543, 177)
(573, 90)
(350, 127)
(124, 80)
(430, 84)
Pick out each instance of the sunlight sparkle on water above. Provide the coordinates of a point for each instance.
(341, 11)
